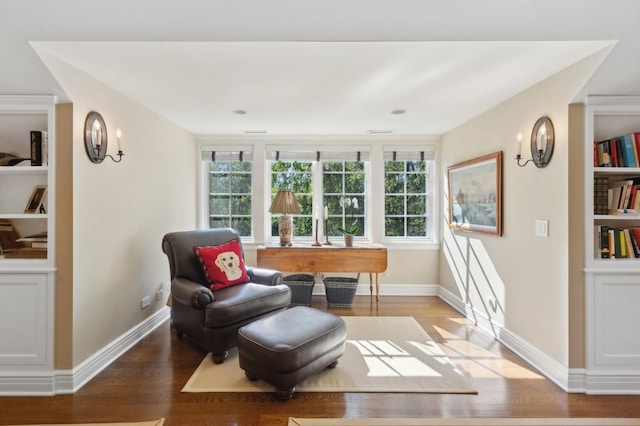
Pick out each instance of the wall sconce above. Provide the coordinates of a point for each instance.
(542, 142)
(96, 140)
(285, 203)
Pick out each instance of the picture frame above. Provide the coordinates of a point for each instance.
(36, 202)
(475, 194)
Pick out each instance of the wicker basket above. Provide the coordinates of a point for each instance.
(340, 291)
(301, 286)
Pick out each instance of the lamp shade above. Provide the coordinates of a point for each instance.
(285, 202)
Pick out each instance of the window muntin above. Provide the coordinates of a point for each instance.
(407, 190)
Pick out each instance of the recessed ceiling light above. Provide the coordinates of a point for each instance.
(375, 132)
(239, 111)
(398, 111)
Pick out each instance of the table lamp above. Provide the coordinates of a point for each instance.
(285, 203)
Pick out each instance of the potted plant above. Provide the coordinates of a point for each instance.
(350, 204)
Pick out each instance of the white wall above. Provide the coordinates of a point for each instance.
(121, 211)
(528, 275)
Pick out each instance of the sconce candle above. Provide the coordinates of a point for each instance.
(119, 139)
(519, 144)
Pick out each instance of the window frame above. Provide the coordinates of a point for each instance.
(376, 146)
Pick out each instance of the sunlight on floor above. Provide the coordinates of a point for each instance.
(386, 359)
(480, 362)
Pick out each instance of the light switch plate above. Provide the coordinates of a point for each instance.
(542, 228)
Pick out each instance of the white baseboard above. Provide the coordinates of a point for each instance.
(69, 381)
(571, 380)
(547, 366)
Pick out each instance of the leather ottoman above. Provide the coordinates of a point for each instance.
(289, 346)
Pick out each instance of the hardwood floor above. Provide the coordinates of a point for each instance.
(145, 384)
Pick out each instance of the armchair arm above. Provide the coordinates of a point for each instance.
(191, 293)
(264, 276)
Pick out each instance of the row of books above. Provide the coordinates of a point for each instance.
(619, 243)
(621, 151)
(616, 197)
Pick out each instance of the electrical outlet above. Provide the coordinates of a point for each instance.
(159, 294)
(146, 301)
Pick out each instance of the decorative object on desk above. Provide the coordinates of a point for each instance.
(340, 291)
(36, 202)
(542, 143)
(475, 194)
(348, 240)
(350, 204)
(286, 203)
(96, 140)
(301, 286)
(316, 243)
(326, 227)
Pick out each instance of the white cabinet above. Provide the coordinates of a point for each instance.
(26, 278)
(612, 285)
(26, 321)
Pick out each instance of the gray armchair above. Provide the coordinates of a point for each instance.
(212, 319)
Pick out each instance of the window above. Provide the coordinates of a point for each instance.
(342, 183)
(407, 188)
(230, 185)
(321, 182)
(298, 177)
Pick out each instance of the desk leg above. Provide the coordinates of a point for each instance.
(371, 284)
(377, 287)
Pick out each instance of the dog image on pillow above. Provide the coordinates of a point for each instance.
(229, 263)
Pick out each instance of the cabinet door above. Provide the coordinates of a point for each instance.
(26, 319)
(613, 318)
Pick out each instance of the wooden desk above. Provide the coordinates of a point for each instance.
(365, 258)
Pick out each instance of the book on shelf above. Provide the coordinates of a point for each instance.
(38, 241)
(39, 148)
(619, 151)
(618, 243)
(600, 195)
(26, 253)
(623, 196)
(8, 236)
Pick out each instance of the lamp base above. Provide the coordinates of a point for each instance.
(285, 229)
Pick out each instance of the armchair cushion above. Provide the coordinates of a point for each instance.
(223, 265)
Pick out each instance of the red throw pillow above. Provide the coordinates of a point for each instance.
(223, 264)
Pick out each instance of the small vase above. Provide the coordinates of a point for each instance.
(348, 240)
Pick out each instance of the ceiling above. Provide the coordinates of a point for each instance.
(318, 87)
(318, 67)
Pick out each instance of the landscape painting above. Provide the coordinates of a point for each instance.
(475, 194)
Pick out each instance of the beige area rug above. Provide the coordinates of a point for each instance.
(467, 422)
(383, 354)
(158, 422)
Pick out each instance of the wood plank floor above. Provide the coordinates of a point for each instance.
(145, 384)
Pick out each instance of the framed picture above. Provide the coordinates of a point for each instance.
(475, 194)
(36, 202)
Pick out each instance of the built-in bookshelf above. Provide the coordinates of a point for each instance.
(25, 178)
(612, 243)
(27, 212)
